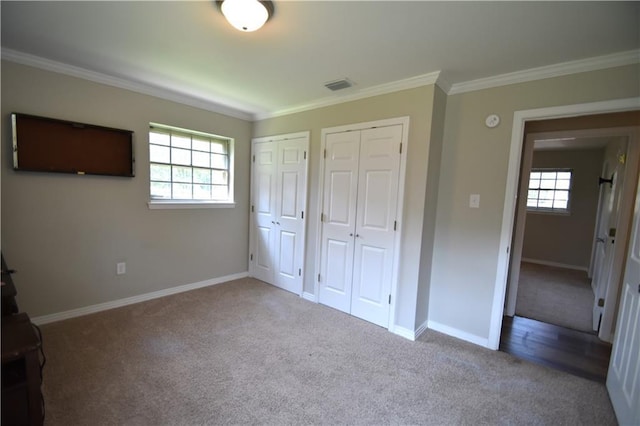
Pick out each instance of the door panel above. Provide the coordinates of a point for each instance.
(291, 184)
(375, 236)
(338, 226)
(264, 202)
(623, 379)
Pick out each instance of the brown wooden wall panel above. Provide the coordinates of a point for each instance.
(49, 145)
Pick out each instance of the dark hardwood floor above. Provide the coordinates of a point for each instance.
(575, 352)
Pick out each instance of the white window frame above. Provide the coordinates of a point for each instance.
(164, 203)
(551, 210)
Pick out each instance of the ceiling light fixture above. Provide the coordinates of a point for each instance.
(246, 15)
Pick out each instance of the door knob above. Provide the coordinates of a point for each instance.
(277, 223)
(357, 235)
(351, 234)
(600, 240)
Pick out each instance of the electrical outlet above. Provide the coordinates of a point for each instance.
(121, 268)
(474, 201)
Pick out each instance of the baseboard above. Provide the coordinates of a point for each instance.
(556, 264)
(45, 319)
(404, 332)
(459, 334)
(421, 329)
(309, 296)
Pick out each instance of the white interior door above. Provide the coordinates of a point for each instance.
(264, 210)
(375, 223)
(623, 379)
(338, 221)
(278, 201)
(289, 223)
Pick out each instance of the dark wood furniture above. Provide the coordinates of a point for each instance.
(22, 402)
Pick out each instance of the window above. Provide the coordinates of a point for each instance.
(549, 190)
(189, 168)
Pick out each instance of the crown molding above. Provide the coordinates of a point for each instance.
(382, 89)
(145, 89)
(557, 70)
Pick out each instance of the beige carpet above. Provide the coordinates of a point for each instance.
(554, 295)
(245, 352)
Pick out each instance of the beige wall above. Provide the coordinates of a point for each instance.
(415, 103)
(475, 161)
(566, 239)
(64, 234)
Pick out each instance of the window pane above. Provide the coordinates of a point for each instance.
(546, 195)
(180, 141)
(548, 175)
(159, 154)
(160, 190)
(202, 192)
(533, 194)
(161, 172)
(219, 177)
(181, 174)
(159, 138)
(534, 183)
(182, 191)
(202, 176)
(200, 159)
(562, 195)
(547, 184)
(564, 175)
(219, 147)
(547, 204)
(535, 175)
(560, 204)
(218, 161)
(562, 184)
(201, 145)
(219, 192)
(532, 202)
(181, 156)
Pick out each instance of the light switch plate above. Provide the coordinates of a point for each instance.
(474, 201)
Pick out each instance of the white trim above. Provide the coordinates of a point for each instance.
(424, 327)
(556, 264)
(309, 296)
(404, 332)
(45, 319)
(404, 122)
(173, 204)
(557, 70)
(459, 334)
(122, 83)
(511, 190)
(382, 89)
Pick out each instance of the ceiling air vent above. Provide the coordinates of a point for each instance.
(339, 84)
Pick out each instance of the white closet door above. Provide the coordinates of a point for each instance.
(264, 206)
(291, 188)
(338, 226)
(376, 215)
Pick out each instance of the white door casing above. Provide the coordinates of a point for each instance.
(359, 212)
(623, 378)
(278, 202)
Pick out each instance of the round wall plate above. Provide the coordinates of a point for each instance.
(492, 121)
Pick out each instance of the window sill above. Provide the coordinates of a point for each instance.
(549, 212)
(173, 204)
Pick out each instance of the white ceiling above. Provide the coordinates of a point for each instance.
(189, 49)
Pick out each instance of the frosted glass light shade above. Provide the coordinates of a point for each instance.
(245, 15)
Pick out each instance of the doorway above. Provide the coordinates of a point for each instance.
(560, 249)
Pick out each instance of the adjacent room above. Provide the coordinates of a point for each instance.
(322, 212)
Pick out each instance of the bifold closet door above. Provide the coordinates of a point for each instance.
(279, 182)
(360, 199)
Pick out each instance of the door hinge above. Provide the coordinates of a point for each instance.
(252, 209)
(318, 277)
(302, 214)
(254, 158)
(325, 153)
(251, 257)
(321, 217)
(305, 155)
(389, 299)
(299, 272)
(395, 225)
(400, 148)
(601, 302)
